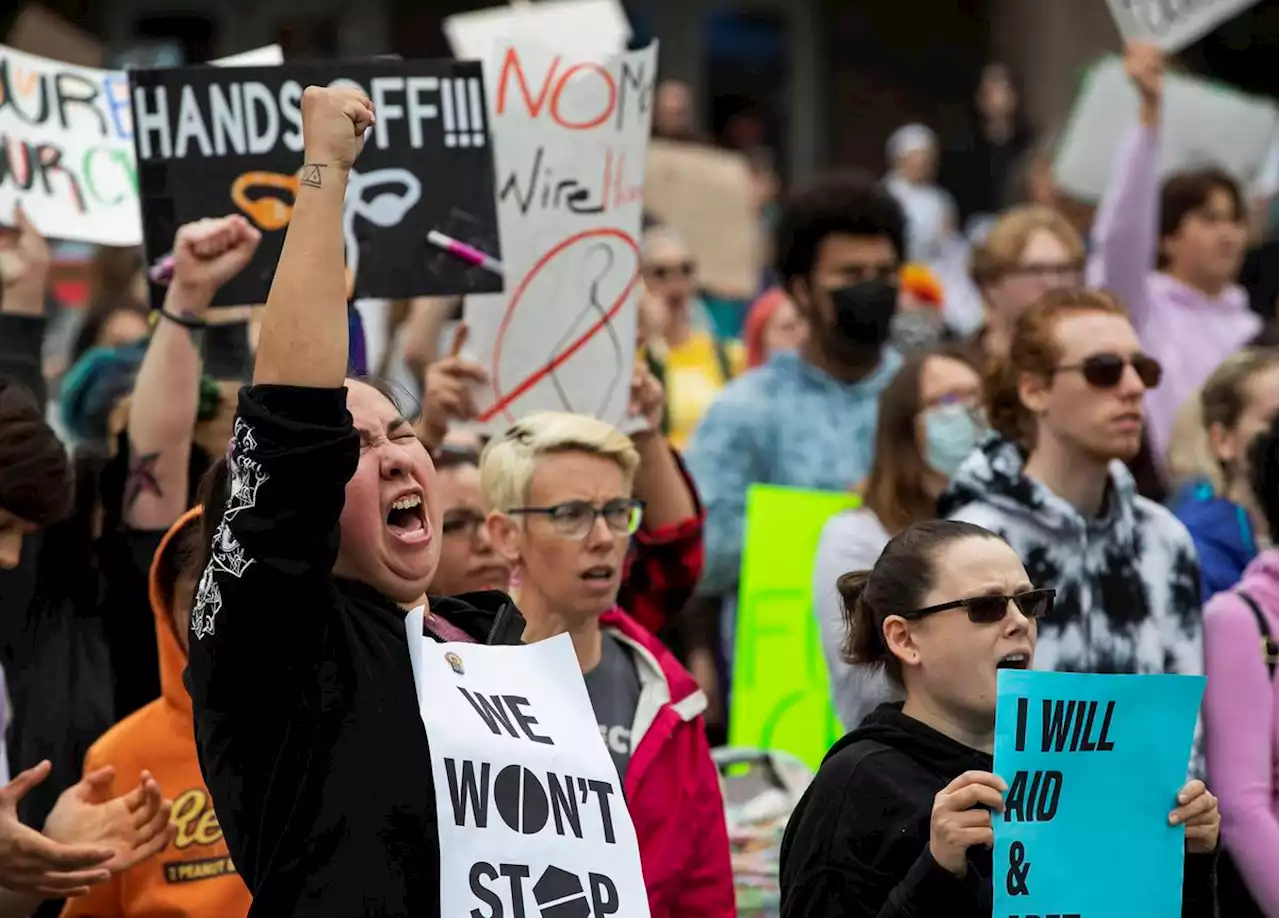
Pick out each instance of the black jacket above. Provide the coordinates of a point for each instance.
(858, 843)
(306, 715)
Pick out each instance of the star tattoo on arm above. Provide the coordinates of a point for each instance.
(142, 478)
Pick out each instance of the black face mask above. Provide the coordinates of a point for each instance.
(864, 314)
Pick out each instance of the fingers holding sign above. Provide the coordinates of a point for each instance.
(447, 389)
(959, 821)
(1198, 811)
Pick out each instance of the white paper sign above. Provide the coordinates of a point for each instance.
(530, 808)
(66, 147)
(581, 28)
(1172, 24)
(570, 138)
(1202, 124)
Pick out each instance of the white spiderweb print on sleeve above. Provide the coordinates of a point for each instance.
(228, 555)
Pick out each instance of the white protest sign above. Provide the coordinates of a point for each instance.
(1201, 124)
(66, 148)
(531, 812)
(1172, 24)
(581, 28)
(570, 138)
(266, 56)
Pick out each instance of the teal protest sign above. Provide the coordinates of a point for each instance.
(1093, 765)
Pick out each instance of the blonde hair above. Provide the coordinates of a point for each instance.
(1003, 246)
(508, 462)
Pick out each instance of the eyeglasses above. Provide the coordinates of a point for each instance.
(465, 523)
(1104, 371)
(575, 518)
(1070, 269)
(684, 269)
(987, 610)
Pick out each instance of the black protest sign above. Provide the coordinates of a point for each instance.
(213, 141)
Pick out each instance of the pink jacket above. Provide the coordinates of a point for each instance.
(673, 787)
(1240, 705)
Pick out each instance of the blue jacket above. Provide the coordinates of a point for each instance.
(1224, 537)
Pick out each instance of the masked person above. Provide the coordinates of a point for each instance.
(321, 528)
(898, 820)
(807, 419)
(930, 420)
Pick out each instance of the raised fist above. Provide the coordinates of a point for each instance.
(1144, 62)
(334, 120)
(208, 253)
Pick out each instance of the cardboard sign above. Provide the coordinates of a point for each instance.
(570, 137)
(1202, 123)
(66, 149)
(583, 29)
(777, 631)
(1094, 764)
(1172, 26)
(707, 195)
(212, 142)
(530, 807)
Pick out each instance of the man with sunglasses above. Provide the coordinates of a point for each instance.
(558, 488)
(1067, 409)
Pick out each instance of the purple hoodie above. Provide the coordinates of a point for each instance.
(1187, 331)
(1240, 709)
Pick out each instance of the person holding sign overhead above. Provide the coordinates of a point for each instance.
(320, 529)
(558, 488)
(898, 821)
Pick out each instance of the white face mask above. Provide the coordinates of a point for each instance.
(951, 432)
(916, 330)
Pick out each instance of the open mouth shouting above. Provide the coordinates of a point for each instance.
(407, 518)
(1019, 660)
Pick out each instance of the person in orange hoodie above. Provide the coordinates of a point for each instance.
(193, 876)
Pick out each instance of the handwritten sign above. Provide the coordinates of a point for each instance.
(530, 807)
(66, 148)
(570, 137)
(1172, 26)
(212, 142)
(1094, 764)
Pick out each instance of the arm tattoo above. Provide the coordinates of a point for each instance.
(311, 174)
(142, 478)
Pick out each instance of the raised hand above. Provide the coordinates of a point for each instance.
(648, 399)
(32, 863)
(210, 252)
(1144, 62)
(334, 120)
(24, 265)
(447, 390)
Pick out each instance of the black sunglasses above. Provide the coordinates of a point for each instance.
(1104, 371)
(987, 610)
(662, 272)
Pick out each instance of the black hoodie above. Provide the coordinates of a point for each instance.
(858, 843)
(306, 713)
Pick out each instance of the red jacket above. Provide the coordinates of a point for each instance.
(673, 787)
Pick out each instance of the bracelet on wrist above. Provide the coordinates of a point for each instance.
(188, 322)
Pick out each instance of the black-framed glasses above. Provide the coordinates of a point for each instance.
(987, 610)
(1104, 371)
(465, 523)
(574, 519)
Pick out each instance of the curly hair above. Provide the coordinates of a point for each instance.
(845, 203)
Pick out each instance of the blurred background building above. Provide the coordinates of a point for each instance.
(819, 82)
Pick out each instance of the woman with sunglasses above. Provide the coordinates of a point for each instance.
(558, 488)
(897, 822)
(1067, 405)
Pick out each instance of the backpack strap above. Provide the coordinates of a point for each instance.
(1270, 649)
(722, 359)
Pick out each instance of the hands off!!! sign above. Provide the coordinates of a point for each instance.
(213, 142)
(530, 808)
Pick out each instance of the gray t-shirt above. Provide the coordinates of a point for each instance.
(614, 687)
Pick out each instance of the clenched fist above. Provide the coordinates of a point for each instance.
(208, 253)
(334, 120)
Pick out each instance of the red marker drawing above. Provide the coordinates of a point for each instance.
(471, 256)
